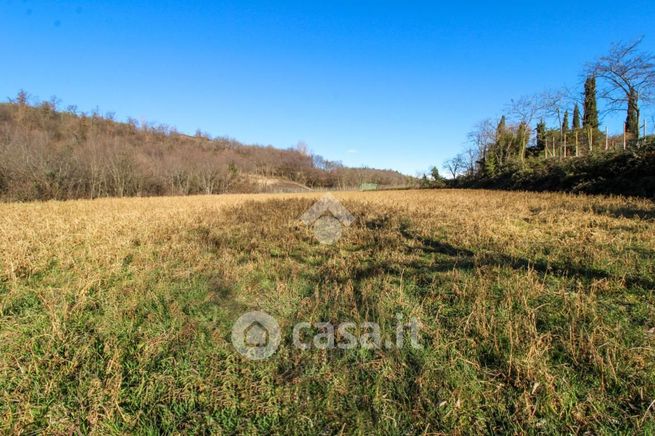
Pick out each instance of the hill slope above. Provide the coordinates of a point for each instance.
(51, 154)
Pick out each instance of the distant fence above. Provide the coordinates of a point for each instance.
(576, 144)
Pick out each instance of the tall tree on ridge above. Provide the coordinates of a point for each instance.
(541, 136)
(632, 118)
(590, 117)
(502, 127)
(501, 140)
(576, 117)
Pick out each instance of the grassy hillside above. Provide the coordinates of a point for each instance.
(537, 309)
(46, 153)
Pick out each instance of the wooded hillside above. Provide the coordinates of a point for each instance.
(47, 153)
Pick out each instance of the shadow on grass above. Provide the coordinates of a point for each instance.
(445, 257)
(625, 212)
(467, 260)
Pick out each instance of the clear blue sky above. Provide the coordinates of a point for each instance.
(386, 84)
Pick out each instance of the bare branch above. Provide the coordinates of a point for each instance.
(623, 69)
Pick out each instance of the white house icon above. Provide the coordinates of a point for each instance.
(327, 216)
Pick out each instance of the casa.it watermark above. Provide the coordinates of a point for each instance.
(257, 335)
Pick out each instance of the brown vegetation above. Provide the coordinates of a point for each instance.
(537, 311)
(51, 154)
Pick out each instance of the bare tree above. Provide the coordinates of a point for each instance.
(455, 165)
(553, 103)
(625, 71)
(303, 148)
(482, 137)
(471, 156)
(525, 109)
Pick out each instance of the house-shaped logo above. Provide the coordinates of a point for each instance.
(327, 217)
(256, 335)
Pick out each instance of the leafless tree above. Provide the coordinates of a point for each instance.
(455, 165)
(524, 109)
(625, 70)
(303, 148)
(553, 103)
(483, 136)
(472, 157)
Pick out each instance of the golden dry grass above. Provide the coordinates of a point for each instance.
(538, 309)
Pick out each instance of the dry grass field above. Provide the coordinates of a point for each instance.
(537, 312)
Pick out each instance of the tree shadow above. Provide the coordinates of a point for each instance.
(468, 260)
(433, 246)
(625, 212)
(441, 257)
(223, 294)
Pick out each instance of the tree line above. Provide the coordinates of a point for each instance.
(559, 124)
(52, 153)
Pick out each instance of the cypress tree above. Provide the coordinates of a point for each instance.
(576, 117)
(632, 118)
(501, 136)
(502, 126)
(565, 123)
(590, 117)
(541, 136)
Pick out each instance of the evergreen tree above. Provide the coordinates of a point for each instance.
(632, 119)
(434, 172)
(590, 117)
(576, 117)
(490, 166)
(502, 127)
(502, 144)
(565, 123)
(541, 136)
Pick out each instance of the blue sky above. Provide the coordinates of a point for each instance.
(385, 84)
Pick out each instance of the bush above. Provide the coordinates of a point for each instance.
(624, 173)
